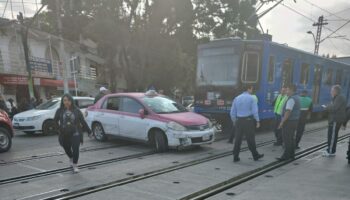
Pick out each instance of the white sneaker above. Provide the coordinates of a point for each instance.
(75, 168)
(326, 154)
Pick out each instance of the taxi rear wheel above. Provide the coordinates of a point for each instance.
(5, 140)
(99, 132)
(160, 142)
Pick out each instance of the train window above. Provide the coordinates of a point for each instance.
(271, 71)
(287, 73)
(304, 73)
(328, 77)
(338, 76)
(250, 67)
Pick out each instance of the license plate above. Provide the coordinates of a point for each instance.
(16, 124)
(206, 137)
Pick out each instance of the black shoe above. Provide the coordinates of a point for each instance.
(258, 157)
(236, 159)
(277, 144)
(281, 159)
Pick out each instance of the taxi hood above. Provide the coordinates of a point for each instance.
(185, 118)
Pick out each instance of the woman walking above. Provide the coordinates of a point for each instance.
(71, 125)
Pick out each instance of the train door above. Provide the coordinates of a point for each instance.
(287, 72)
(316, 84)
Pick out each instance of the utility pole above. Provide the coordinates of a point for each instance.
(26, 54)
(61, 45)
(319, 25)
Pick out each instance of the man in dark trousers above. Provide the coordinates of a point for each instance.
(336, 117)
(305, 110)
(278, 104)
(289, 123)
(244, 114)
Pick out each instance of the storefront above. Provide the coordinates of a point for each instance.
(16, 87)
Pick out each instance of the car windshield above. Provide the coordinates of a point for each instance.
(163, 105)
(47, 105)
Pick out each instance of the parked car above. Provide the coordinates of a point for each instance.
(40, 119)
(6, 132)
(148, 117)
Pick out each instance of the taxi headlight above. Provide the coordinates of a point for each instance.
(176, 126)
(33, 118)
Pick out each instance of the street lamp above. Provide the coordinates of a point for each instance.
(315, 42)
(313, 35)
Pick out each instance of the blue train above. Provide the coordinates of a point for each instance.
(224, 65)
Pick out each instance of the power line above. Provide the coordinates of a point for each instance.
(339, 12)
(301, 14)
(336, 30)
(307, 1)
(3, 14)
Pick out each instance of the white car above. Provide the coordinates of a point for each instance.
(149, 117)
(40, 119)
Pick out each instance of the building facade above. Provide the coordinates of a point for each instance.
(49, 64)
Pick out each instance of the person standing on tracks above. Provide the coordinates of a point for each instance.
(71, 125)
(289, 123)
(278, 104)
(336, 117)
(305, 111)
(244, 114)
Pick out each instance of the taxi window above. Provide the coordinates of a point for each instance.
(130, 105)
(112, 103)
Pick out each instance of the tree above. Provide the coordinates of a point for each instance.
(152, 42)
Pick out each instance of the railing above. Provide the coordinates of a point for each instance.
(13, 63)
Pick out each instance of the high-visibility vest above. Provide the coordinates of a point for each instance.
(281, 99)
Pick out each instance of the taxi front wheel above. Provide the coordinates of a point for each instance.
(160, 142)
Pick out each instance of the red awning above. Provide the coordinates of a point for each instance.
(55, 83)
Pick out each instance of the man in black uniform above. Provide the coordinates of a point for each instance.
(289, 122)
(244, 114)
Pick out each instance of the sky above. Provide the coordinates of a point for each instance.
(286, 26)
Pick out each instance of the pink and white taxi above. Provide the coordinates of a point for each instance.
(151, 118)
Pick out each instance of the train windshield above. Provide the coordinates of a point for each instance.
(218, 66)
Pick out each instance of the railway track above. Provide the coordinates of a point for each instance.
(92, 165)
(56, 154)
(235, 181)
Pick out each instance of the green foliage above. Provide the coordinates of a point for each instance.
(152, 42)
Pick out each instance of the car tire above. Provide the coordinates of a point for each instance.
(5, 140)
(99, 133)
(160, 142)
(50, 127)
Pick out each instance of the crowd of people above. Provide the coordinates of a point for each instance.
(291, 114)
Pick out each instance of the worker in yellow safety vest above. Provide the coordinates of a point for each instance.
(278, 104)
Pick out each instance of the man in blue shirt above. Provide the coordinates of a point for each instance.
(244, 114)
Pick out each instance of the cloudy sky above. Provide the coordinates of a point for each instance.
(285, 22)
(289, 27)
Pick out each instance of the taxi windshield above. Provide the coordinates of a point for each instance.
(163, 105)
